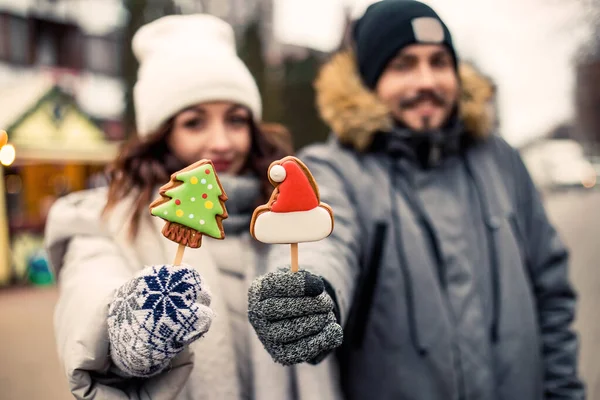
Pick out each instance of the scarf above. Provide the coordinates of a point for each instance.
(242, 193)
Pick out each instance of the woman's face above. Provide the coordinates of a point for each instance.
(218, 131)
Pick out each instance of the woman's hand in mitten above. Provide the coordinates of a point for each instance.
(154, 316)
(293, 317)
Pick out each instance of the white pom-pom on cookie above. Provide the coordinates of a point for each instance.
(277, 173)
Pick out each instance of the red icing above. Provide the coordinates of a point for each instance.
(207, 171)
(295, 192)
(178, 202)
(204, 196)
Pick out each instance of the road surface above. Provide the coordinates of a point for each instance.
(30, 368)
(577, 217)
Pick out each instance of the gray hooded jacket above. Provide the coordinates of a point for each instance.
(451, 283)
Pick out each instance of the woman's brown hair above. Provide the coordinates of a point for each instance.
(143, 164)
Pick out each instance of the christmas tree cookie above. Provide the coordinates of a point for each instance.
(193, 205)
(294, 213)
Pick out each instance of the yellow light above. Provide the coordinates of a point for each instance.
(3, 138)
(7, 155)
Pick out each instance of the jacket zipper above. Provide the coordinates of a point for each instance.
(408, 289)
(417, 208)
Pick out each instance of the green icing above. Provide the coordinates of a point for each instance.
(194, 211)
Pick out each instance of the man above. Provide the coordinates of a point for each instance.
(444, 271)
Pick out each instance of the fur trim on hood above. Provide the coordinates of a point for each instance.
(355, 114)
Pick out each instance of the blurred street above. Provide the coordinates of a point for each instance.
(576, 215)
(30, 368)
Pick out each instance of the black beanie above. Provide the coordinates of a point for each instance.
(387, 27)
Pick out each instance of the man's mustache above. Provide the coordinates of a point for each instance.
(422, 96)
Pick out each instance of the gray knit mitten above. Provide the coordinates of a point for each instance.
(154, 316)
(294, 317)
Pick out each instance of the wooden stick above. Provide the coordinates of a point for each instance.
(294, 257)
(179, 254)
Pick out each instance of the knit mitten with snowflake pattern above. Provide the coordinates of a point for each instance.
(154, 316)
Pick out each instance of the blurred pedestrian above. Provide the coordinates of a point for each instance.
(448, 278)
(125, 331)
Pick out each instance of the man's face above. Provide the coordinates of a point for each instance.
(420, 86)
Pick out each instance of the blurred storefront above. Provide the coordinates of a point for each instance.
(53, 148)
(61, 102)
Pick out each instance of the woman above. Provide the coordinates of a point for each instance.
(117, 335)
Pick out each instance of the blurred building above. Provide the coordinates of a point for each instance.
(61, 103)
(75, 42)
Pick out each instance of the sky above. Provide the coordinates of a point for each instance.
(526, 46)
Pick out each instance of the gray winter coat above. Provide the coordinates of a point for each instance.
(401, 337)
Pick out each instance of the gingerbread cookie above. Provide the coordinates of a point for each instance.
(192, 204)
(294, 213)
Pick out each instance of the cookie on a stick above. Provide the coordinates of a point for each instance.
(294, 213)
(193, 204)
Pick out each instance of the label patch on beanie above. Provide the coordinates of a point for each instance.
(428, 30)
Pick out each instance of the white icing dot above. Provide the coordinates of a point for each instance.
(193, 199)
(201, 222)
(209, 187)
(166, 212)
(203, 181)
(191, 215)
(277, 173)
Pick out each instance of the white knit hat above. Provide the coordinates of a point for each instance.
(186, 60)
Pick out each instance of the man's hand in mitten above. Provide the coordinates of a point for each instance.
(293, 317)
(154, 316)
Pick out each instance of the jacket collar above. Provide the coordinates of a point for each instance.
(426, 149)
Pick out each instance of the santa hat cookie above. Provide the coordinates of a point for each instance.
(294, 213)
